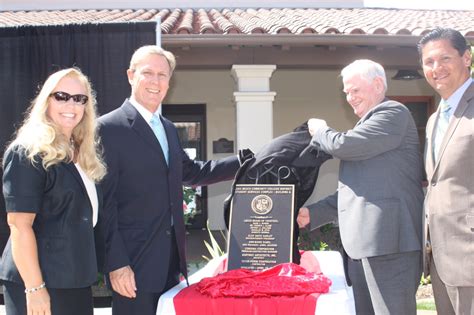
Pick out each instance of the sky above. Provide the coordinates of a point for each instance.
(74, 4)
(422, 4)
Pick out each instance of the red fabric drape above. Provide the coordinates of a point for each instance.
(190, 302)
(284, 289)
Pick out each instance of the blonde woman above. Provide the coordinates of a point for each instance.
(50, 173)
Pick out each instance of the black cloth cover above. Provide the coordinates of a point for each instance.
(289, 157)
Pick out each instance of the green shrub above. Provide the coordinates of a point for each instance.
(325, 238)
(427, 305)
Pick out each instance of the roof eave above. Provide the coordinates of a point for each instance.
(207, 40)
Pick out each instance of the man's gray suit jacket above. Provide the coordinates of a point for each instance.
(379, 200)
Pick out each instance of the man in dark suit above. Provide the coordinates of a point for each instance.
(379, 200)
(449, 159)
(143, 200)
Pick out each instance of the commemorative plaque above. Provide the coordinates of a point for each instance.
(261, 226)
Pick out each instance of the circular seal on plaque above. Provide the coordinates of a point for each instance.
(262, 204)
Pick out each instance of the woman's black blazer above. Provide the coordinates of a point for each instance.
(63, 222)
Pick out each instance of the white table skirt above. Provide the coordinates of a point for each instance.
(339, 300)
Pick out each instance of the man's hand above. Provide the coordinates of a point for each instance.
(314, 124)
(303, 217)
(123, 281)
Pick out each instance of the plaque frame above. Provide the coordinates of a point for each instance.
(283, 212)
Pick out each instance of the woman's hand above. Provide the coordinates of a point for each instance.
(38, 303)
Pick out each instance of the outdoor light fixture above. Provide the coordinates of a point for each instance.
(407, 75)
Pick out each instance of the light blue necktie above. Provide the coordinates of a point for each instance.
(441, 127)
(160, 133)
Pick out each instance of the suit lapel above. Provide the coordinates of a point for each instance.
(454, 122)
(100, 196)
(73, 170)
(173, 143)
(141, 127)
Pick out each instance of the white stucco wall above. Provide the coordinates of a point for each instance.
(410, 88)
(301, 94)
(305, 94)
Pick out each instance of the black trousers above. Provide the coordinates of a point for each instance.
(63, 301)
(146, 303)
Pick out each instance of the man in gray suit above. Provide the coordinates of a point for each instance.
(378, 204)
(449, 163)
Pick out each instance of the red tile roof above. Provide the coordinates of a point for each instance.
(261, 21)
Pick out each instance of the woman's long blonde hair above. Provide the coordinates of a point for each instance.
(40, 136)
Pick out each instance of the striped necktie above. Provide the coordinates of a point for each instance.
(441, 127)
(160, 133)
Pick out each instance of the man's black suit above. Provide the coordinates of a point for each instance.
(142, 193)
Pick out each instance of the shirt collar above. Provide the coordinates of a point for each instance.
(455, 98)
(145, 113)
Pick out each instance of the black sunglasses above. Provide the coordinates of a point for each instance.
(64, 97)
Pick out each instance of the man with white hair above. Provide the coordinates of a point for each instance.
(378, 204)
